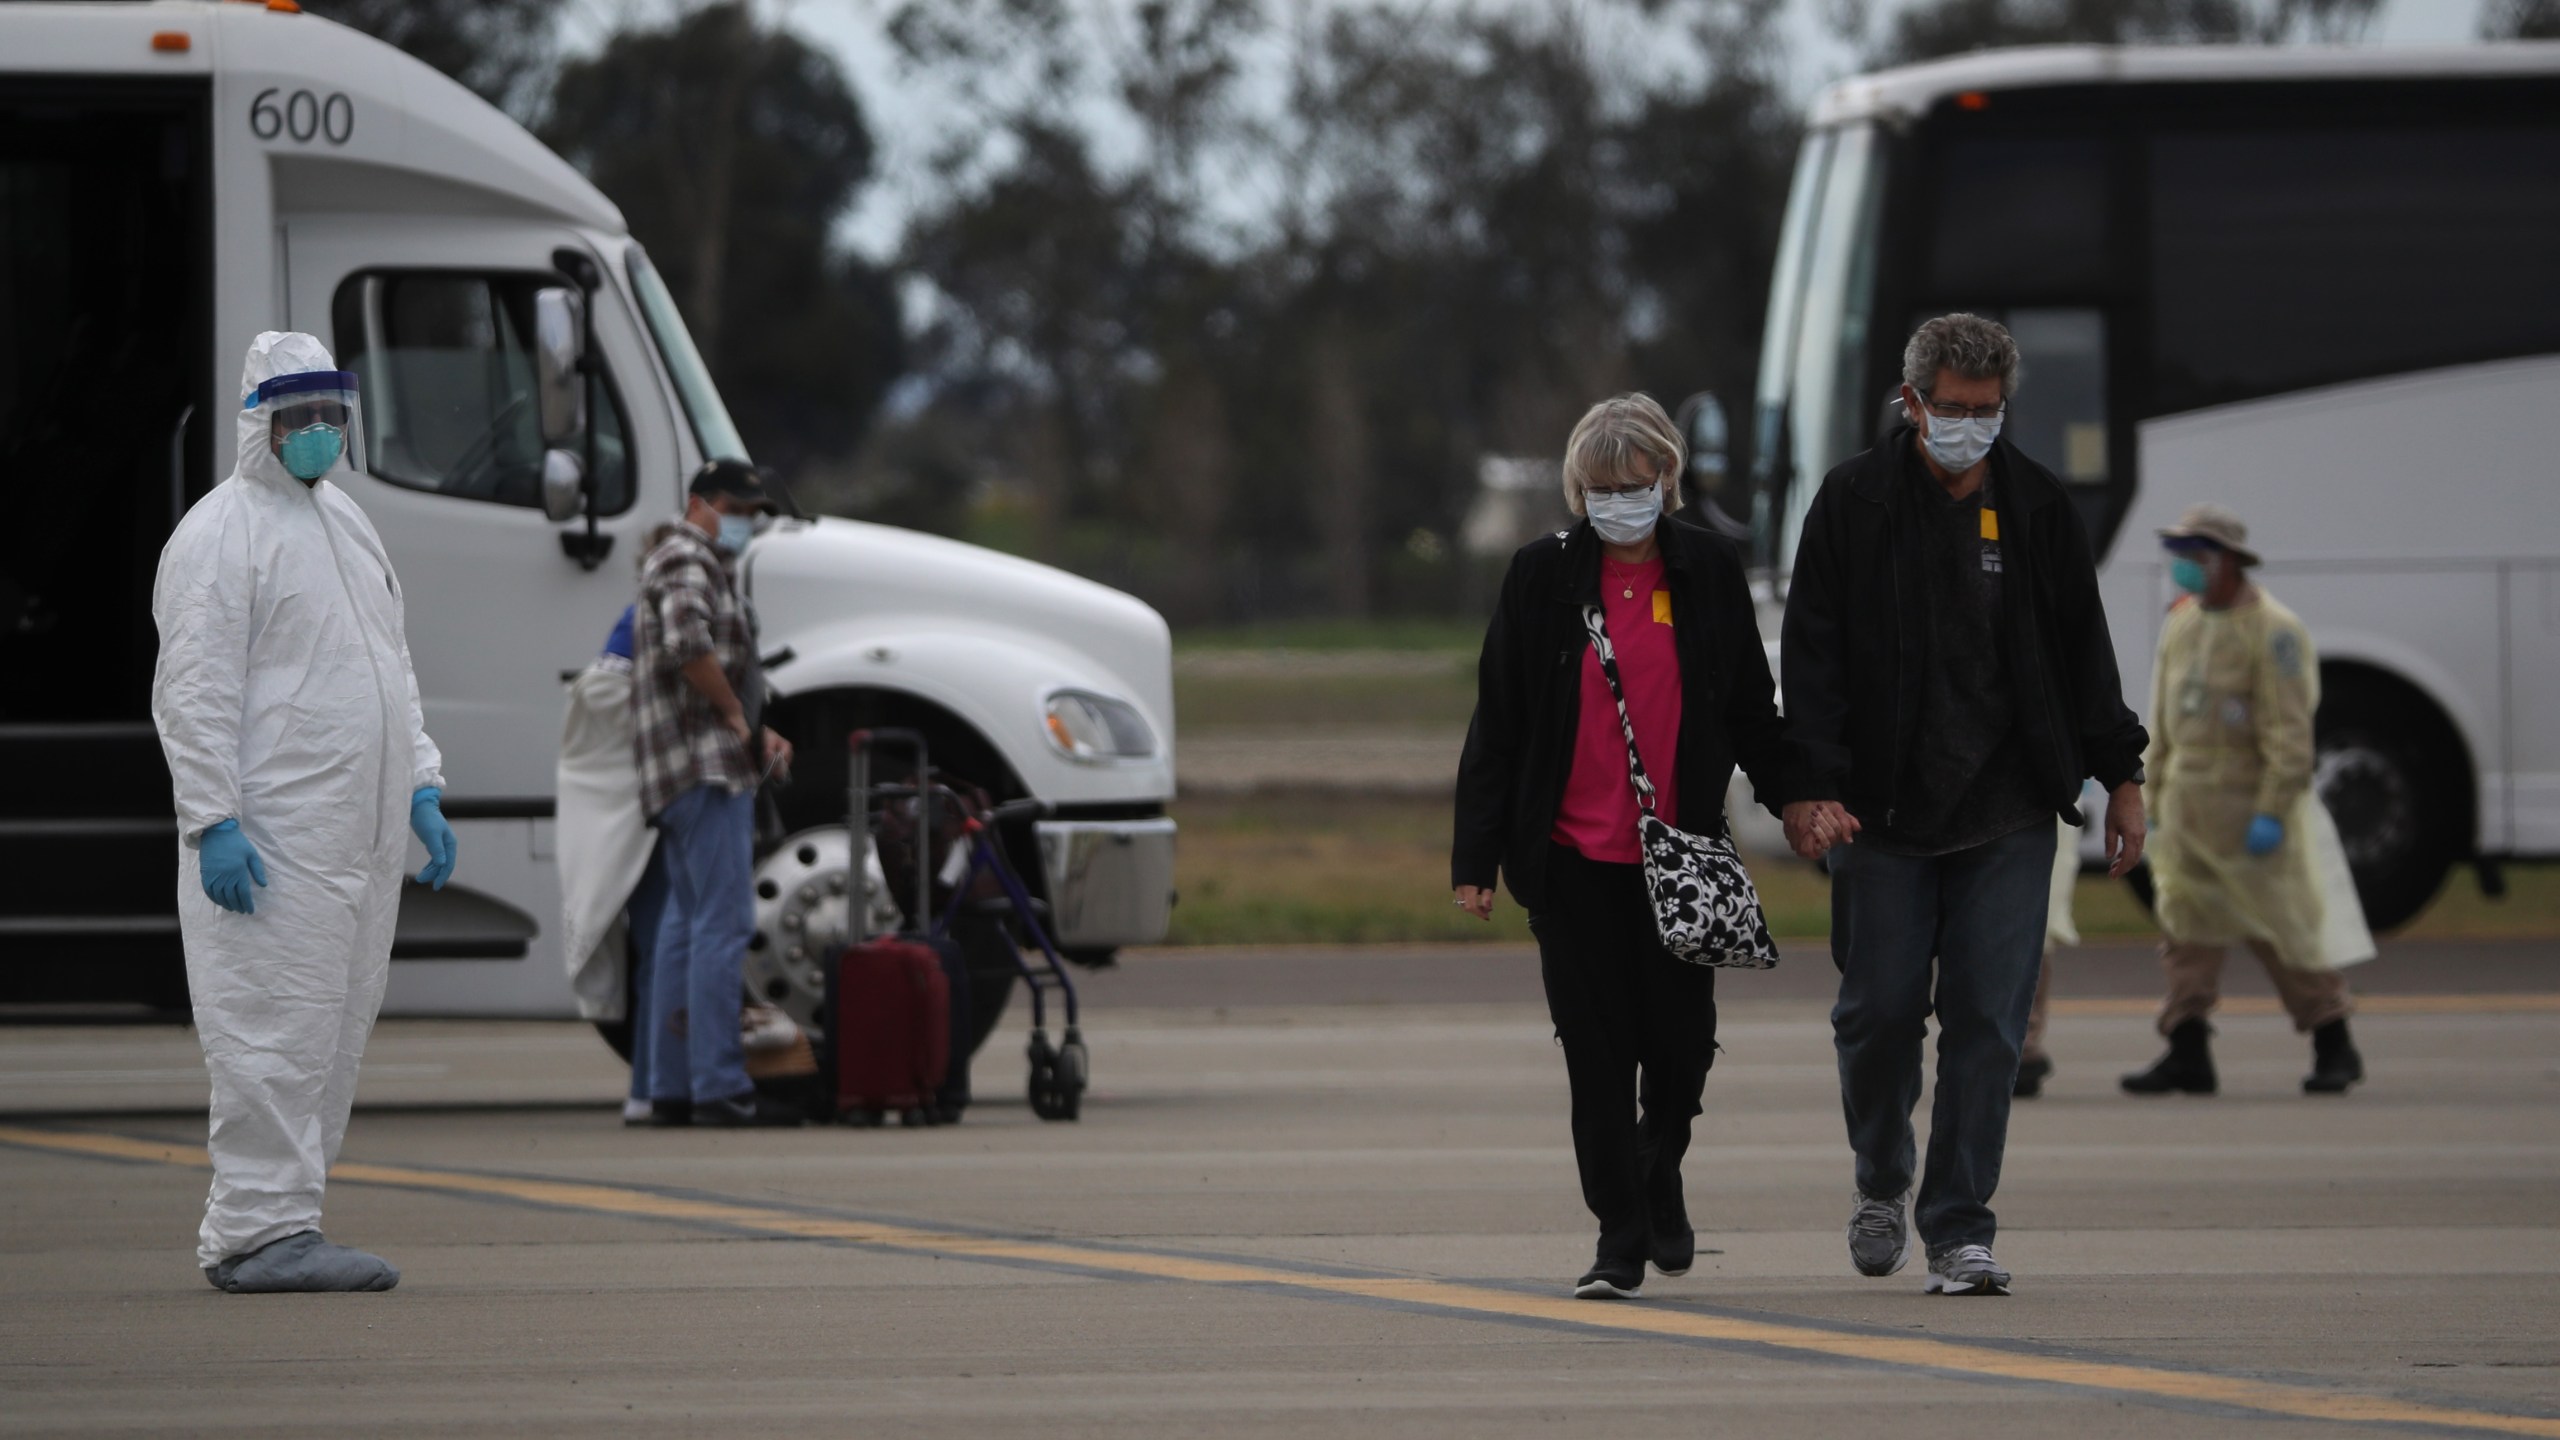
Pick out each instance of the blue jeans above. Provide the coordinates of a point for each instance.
(1979, 914)
(706, 837)
(644, 913)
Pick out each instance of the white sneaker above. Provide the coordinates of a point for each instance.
(1966, 1270)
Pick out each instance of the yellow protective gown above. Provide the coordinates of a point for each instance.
(2232, 698)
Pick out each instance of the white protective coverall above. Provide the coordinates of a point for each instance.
(2232, 697)
(605, 841)
(285, 700)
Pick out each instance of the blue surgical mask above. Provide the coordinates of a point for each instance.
(1626, 517)
(1959, 445)
(2187, 573)
(735, 532)
(310, 451)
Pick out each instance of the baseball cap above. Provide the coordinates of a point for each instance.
(736, 480)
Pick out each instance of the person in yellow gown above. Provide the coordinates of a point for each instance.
(2243, 850)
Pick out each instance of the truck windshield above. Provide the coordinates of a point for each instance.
(712, 428)
(1808, 414)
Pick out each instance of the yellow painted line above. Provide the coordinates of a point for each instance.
(1795, 1337)
(2531, 1002)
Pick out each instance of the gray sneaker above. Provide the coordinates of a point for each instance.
(1966, 1270)
(1879, 1239)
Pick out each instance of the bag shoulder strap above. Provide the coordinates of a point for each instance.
(1599, 630)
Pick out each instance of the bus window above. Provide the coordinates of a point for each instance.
(447, 363)
(2018, 217)
(1778, 344)
(1827, 418)
(2283, 259)
(2060, 415)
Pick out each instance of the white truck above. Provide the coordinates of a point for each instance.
(176, 176)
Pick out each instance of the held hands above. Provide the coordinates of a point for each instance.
(426, 821)
(1476, 900)
(777, 754)
(230, 865)
(2266, 832)
(2125, 829)
(1814, 826)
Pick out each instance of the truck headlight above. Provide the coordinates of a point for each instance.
(1086, 726)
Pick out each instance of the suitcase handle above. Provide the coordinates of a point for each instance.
(858, 820)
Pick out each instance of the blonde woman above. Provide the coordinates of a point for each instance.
(1545, 800)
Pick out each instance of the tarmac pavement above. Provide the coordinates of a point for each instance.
(1324, 1193)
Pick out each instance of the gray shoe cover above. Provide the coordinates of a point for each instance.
(302, 1262)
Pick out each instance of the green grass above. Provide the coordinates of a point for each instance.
(1337, 869)
(1431, 694)
(1317, 868)
(1454, 635)
(1305, 868)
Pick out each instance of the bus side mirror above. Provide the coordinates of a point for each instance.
(564, 485)
(559, 359)
(1702, 423)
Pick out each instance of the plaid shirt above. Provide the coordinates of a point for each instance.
(689, 606)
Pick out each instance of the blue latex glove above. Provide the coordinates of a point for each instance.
(2265, 834)
(426, 821)
(231, 866)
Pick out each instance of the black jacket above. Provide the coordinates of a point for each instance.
(1529, 692)
(1855, 636)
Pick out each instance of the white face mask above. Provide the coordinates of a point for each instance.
(1625, 518)
(1959, 445)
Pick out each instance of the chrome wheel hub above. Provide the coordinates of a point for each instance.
(802, 891)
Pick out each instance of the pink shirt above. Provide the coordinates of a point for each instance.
(1597, 815)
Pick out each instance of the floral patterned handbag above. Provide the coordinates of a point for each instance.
(1703, 901)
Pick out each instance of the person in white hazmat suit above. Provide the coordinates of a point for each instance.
(2245, 851)
(301, 763)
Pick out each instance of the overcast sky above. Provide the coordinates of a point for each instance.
(908, 117)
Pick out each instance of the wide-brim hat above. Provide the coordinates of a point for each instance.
(2215, 526)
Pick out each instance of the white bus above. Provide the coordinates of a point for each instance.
(2321, 286)
(177, 176)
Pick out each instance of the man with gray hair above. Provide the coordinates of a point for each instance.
(1949, 684)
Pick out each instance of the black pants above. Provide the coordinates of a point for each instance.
(1636, 1025)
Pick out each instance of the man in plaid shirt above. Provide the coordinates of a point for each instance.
(696, 689)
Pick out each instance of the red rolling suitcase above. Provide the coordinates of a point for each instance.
(890, 1015)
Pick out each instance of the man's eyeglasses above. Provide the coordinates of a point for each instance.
(1962, 412)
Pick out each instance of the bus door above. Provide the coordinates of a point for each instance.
(107, 426)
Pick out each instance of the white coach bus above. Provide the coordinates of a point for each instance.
(2321, 286)
(177, 176)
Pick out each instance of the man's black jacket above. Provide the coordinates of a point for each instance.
(1529, 692)
(1856, 636)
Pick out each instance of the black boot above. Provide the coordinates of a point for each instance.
(1673, 1244)
(2187, 1067)
(2335, 1065)
(2031, 1077)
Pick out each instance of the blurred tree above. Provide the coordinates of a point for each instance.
(2520, 20)
(503, 49)
(1948, 27)
(1246, 343)
(732, 147)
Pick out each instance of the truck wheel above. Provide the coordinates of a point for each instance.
(2393, 773)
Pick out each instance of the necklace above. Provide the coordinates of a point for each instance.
(1626, 578)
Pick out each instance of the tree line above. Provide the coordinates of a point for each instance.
(1225, 302)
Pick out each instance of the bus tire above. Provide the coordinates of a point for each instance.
(2397, 779)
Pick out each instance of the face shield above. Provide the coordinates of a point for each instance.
(312, 420)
